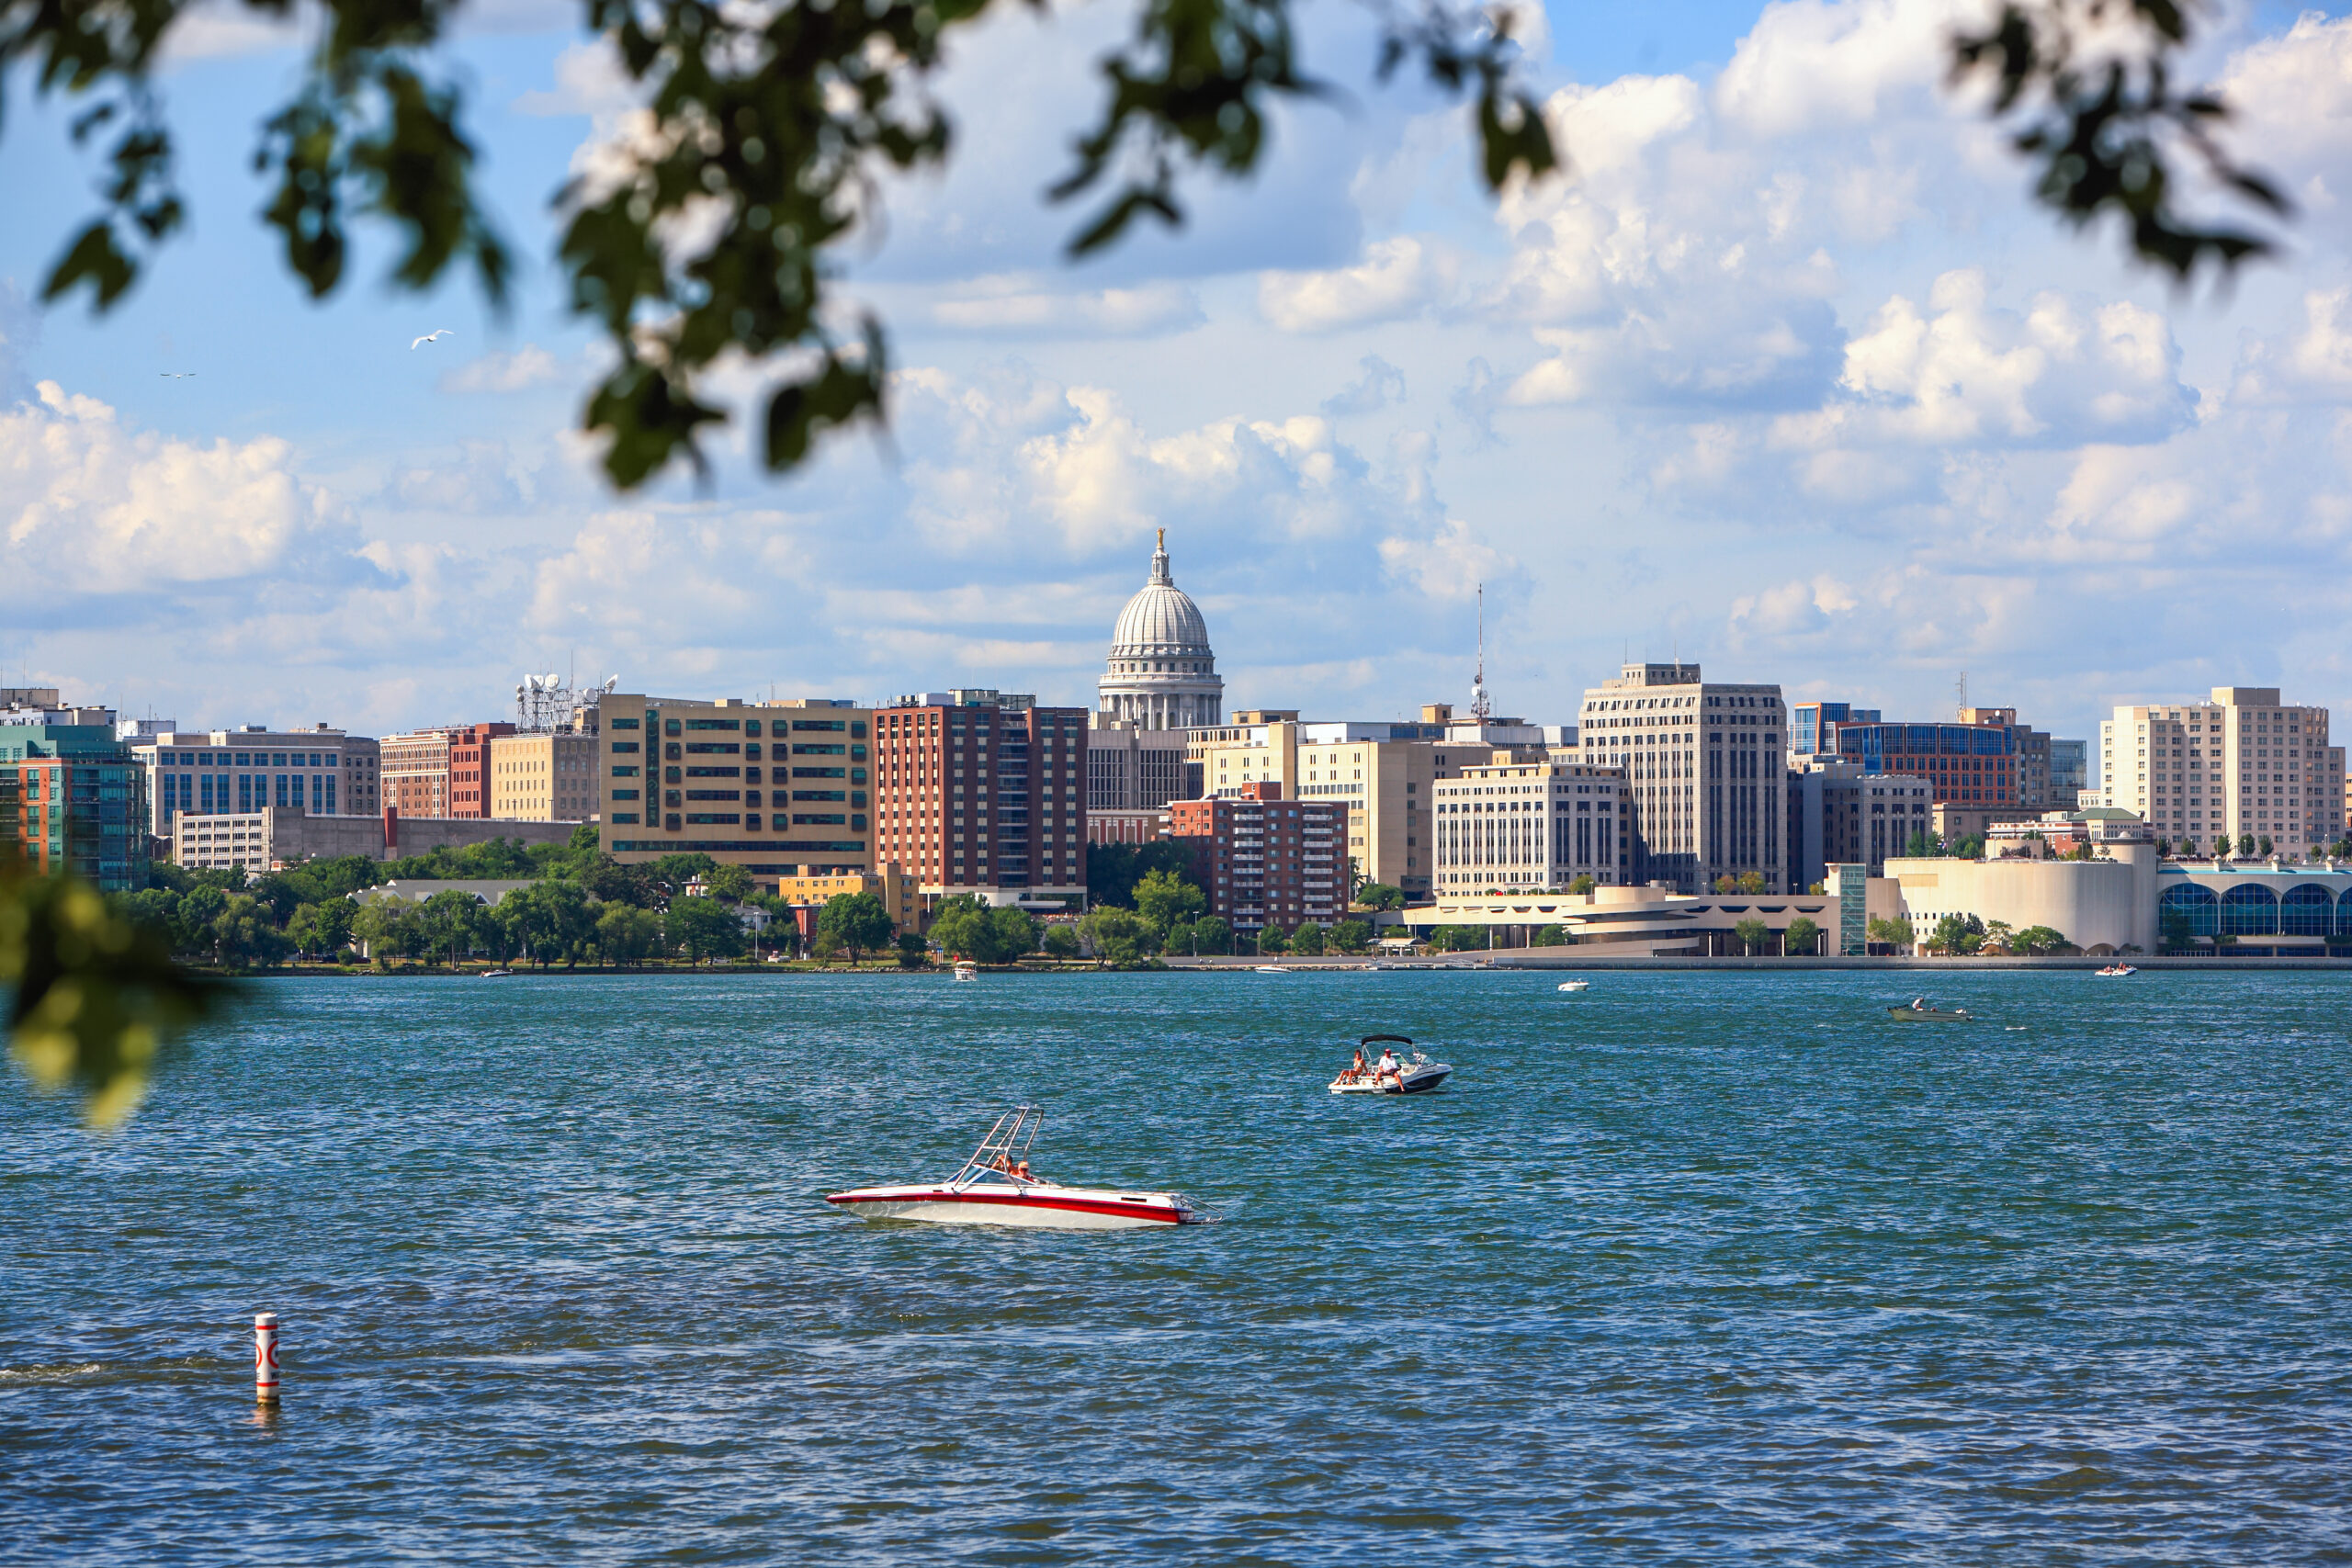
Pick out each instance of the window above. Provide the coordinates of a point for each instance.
(2249, 910)
(2306, 910)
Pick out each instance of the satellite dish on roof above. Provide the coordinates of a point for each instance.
(612, 682)
(553, 681)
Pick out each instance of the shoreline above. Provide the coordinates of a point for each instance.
(1511, 961)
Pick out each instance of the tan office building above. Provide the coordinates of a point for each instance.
(1705, 773)
(545, 777)
(1384, 774)
(2242, 765)
(778, 788)
(1519, 822)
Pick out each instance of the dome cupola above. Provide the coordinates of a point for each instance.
(1162, 672)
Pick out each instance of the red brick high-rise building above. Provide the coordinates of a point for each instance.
(982, 795)
(1265, 861)
(469, 768)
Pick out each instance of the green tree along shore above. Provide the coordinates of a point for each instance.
(578, 906)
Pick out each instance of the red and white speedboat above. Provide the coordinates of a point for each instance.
(996, 1188)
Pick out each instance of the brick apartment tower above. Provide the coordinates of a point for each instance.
(1265, 861)
(974, 798)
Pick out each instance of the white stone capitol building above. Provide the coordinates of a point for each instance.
(1162, 672)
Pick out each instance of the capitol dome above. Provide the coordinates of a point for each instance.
(1162, 672)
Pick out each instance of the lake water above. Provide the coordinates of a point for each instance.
(1687, 1269)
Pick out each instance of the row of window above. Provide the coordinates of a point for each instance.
(2252, 909)
(209, 793)
(246, 759)
(745, 726)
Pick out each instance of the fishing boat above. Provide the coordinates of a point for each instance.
(966, 970)
(1920, 1012)
(1576, 985)
(995, 1187)
(1392, 1074)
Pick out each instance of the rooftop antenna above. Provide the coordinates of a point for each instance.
(1479, 707)
(1963, 693)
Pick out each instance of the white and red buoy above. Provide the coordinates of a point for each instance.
(265, 1358)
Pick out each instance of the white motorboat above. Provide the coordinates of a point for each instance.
(1270, 969)
(995, 1187)
(2115, 971)
(497, 974)
(1576, 985)
(966, 970)
(1392, 1074)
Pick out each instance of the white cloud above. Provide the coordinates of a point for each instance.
(1398, 277)
(1966, 374)
(1016, 307)
(1818, 65)
(1379, 385)
(1448, 565)
(589, 80)
(2290, 96)
(1792, 609)
(88, 507)
(529, 366)
(2312, 365)
(220, 29)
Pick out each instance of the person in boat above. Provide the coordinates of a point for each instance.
(1918, 1004)
(1021, 1171)
(1389, 1066)
(1357, 1069)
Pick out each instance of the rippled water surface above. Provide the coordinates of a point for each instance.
(1686, 1269)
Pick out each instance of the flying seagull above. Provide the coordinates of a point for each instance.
(431, 337)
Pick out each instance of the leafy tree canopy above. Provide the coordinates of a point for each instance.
(858, 921)
(1114, 871)
(703, 927)
(1120, 938)
(1163, 897)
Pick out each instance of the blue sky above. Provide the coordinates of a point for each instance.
(1785, 377)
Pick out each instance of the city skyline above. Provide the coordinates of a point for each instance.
(1113, 677)
(1837, 411)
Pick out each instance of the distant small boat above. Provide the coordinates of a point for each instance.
(1576, 985)
(1915, 1013)
(966, 970)
(496, 974)
(2114, 970)
(1270, 969)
